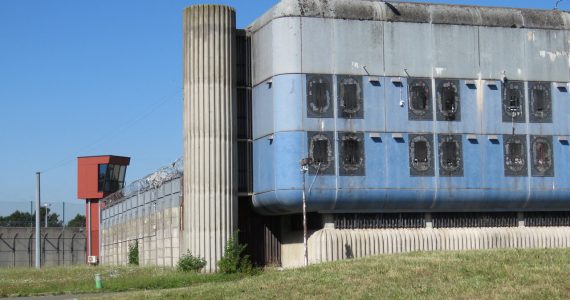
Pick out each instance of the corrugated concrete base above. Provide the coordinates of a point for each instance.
(334, 244)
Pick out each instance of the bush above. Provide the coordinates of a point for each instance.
(189, 262)
(234, 259)
(134, 253)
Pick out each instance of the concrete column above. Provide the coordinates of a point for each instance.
(210, 140)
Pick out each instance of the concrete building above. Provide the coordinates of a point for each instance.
(420, 127)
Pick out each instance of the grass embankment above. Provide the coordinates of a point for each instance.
(492, 274)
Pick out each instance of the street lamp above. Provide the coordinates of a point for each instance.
(46, 205)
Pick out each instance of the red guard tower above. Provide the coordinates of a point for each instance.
(98, 177)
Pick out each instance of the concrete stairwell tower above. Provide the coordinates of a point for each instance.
(210, 140)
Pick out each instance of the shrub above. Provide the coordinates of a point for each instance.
(189, 262)
(134, 253)
(234, 259)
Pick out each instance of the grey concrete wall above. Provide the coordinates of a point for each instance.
(210, 136)
(150, 218)
(297, 44)
(59, 246)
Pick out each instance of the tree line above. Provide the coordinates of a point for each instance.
(26, 219)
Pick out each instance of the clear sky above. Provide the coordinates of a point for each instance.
(81, 78)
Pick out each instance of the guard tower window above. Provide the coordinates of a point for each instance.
(319, 96)
(102, 175)
(322, 153)
(515, 155)
(540, 102)
(352, 154)
(111, 177)
(542, 156)
(350, 104)
(513, 101)
(448, 100)
(421, 155)
(419, 99)
(450, 155)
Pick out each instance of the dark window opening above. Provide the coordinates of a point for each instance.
(419, 96)
(320, 152)
(541, 151)
(449, 154)
(319, 96)
(539, 100)
(351, 153)
(319, 91)
(350, 98)
(420, 152)
(542, 159)
(449, 99)
(419, 100)
(421, 155)
(542, 156)
(351, 156)
(514, 102)
(515, 156)
(513, 98)
(350, 102)
(515, 150)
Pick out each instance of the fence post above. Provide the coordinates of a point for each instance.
(30, 248)
(44, 250)
(72, 243)
(57, 248)
(14, 248)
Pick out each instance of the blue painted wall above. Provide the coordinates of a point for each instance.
(280, 126)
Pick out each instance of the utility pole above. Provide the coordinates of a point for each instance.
(38, 220)
(305, 162)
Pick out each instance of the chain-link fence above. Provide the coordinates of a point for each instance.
(59, 214)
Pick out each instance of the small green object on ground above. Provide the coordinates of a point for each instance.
(98, 281)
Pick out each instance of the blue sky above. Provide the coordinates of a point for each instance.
(82, 78)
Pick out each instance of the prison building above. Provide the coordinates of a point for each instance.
(422, 127)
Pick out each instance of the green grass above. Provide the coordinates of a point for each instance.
(492, 274)
(78, 280)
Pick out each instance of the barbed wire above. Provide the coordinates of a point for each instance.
(151, 181)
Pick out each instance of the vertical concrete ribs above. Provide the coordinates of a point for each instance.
(210, 141)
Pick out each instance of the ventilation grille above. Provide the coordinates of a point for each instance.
(544, 219)
(379, 221)
(459, 220)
